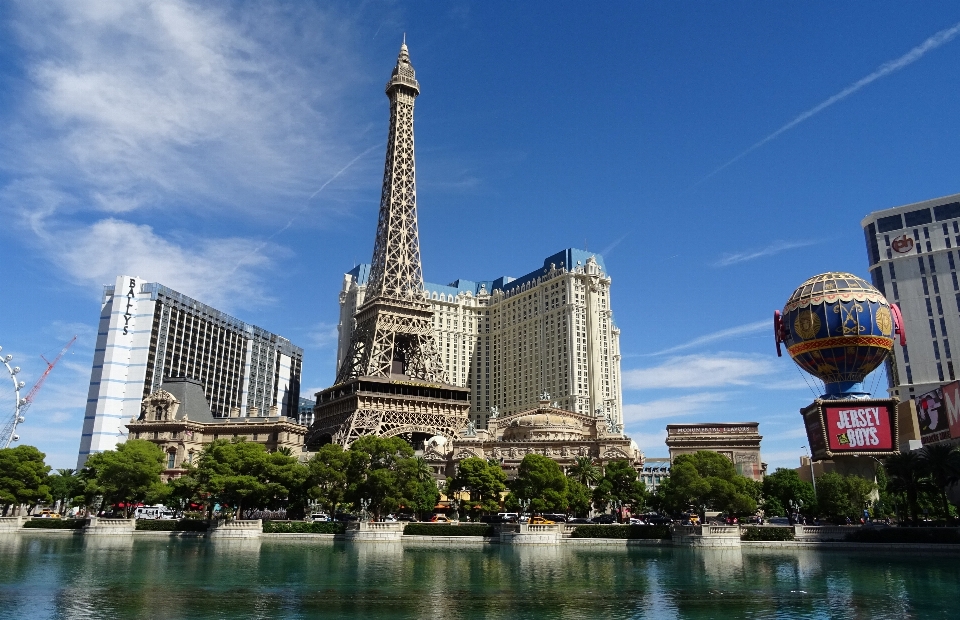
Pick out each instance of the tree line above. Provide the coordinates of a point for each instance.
(383, 475)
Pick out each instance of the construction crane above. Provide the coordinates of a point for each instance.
(9, 433)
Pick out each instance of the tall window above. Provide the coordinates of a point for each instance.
(171, 459)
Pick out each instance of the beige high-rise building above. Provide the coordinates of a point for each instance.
(512, 341)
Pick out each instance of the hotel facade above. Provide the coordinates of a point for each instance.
(512, 341)
(149, 332)
(914, 253)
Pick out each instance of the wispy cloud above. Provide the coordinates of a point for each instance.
(723, 334)
(612, 246)
(195, 267)
(915, 54)
(323, 335)
(675, 406)
(144, 112)
(699, 371)
(774, 248)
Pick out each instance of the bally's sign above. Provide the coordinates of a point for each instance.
(851, 427)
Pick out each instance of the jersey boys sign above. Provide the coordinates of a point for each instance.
(854, 427)
(858, 428)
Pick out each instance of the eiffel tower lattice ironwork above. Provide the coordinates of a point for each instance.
(394, 329)
(391, 380)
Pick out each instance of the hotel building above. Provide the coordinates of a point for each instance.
(149, 332)
(914, 252)
(514, 340)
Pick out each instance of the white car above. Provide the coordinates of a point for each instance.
(320, 517)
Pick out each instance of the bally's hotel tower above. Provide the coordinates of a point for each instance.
(148, 331)
(914, 253)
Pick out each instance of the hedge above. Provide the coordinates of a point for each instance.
(766, 533)
(447, 529)
(170, 525)
(645, 532)
(929, 535)
(55, 524)
(303, 527)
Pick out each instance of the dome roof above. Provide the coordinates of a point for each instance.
(545, 426)
(832, 286)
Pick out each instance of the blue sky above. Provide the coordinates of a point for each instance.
(234, 151)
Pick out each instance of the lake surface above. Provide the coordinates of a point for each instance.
(76, 577)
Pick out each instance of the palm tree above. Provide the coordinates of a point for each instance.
(908, 476)
(285, 450)
(422, 470)
(942, 464)
(584, 471)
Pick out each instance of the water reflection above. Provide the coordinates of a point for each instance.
(176, 578)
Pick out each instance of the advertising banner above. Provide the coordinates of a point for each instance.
(951, 406)
(852, 427)
(932, 417)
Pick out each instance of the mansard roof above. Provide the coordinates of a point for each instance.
(193, 401)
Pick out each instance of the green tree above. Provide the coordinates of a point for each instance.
(327, 477)
(783, 487)
(419, 492)
(579, 497)
(184, 490)
(941, 462)
(230, 472)
(482, 479)
(64, 486)
(707, 480)
(128, 474)
(908, 477)
(625, 486)
(833, 496)
(373, 473)
(540, 481)
(584, 471)
(23, 477)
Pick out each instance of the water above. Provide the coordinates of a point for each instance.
(76, 577)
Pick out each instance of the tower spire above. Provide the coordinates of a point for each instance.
(404, 344)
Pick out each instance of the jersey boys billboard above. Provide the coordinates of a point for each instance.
(854, 427)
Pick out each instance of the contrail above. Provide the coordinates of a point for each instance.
(306, 204)
(944, 36)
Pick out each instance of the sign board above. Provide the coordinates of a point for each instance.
(951, 406)
(932, 417)
(851, 427)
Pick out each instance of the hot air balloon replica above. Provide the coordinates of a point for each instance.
(839, 328)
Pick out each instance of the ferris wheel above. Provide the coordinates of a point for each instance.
(18, 403)
(8, 434)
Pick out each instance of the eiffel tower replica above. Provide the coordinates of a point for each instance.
(392, 381)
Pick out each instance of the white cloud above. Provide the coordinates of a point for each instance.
(672, 407)
(185, 110)
(724, 334)
(774, 248)
(198, 268)
(323, 335)
(145, 103)
(699, 371)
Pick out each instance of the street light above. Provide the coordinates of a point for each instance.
(813, 478)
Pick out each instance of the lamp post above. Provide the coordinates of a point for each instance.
(813, 478)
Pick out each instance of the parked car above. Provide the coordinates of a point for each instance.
(579, 520)
(605, 519)
(778, 521)
(508, 517)
(559, 518)
(636, 521)
(48, 514)
(439, 519)
(538, 520)
(406, 517)
(320, 517)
